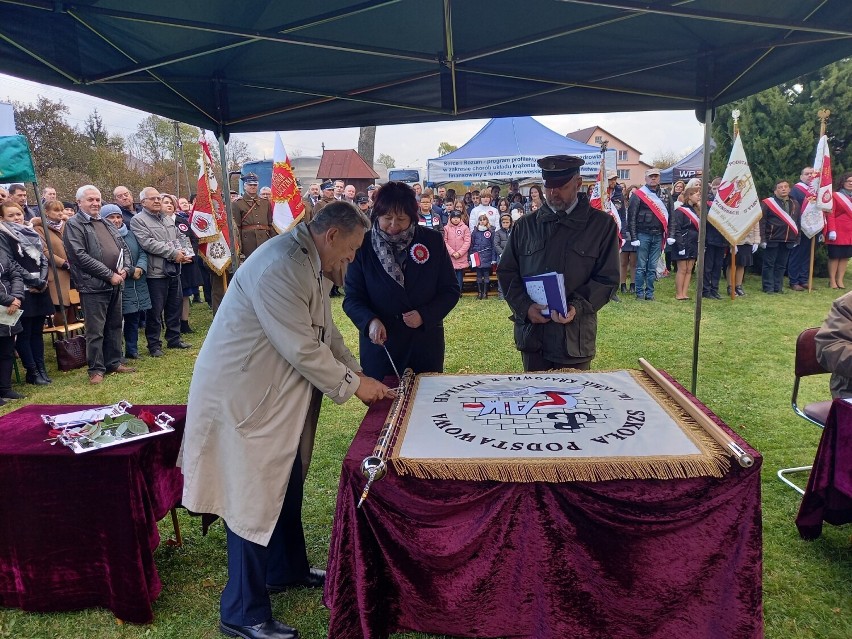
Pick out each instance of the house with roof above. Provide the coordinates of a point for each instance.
(631, 169)
(346, 165)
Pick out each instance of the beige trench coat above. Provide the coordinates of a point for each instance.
(271, 344)
(60, 260)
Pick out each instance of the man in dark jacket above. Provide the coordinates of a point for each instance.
(100, 262)
(779, 233)
(565, 236)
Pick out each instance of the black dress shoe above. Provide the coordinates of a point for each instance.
(132, 355)
(180, 344)
(272, 629)
(314, 579)
(156, 353)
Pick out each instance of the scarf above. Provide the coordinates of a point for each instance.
(391, 250)
(56, 225)
(123, 230)
(28, 240)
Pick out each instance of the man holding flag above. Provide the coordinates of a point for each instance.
(797, 262)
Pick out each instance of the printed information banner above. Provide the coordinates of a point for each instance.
(554, 426)
(506, 168)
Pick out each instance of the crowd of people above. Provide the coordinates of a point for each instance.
(135, 264)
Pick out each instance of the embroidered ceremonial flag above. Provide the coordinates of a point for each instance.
(16, 163)
(201, 217)
(215, 251)
(475, 260)
(598, 188)
(288, 208)
(613, 211)
(735, 208)
(819, 192)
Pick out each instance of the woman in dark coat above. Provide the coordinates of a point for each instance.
(683, 239)
(26, 248)
(399, 288)
(11, 296)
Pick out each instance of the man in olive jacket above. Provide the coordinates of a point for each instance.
(564, 236)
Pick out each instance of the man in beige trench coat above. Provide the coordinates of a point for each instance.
(271, 353)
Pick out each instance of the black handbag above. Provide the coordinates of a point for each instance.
(71, 353)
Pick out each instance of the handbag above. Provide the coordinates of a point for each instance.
(71, 353)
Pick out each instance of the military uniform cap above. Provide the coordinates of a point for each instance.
(249, 178)
(327, 186)
(556, 170)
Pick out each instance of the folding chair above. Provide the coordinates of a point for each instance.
(816, 413)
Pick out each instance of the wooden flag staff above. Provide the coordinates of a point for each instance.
(822, 114)
(733, 270)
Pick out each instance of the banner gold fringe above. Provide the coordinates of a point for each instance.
(712, 461)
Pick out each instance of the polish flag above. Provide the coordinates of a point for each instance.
(475, 260)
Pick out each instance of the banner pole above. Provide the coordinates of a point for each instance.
(811, 267)
(733, 277)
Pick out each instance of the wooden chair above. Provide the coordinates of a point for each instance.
(806, 364)
(53, 329)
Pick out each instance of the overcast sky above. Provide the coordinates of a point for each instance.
(411, 145)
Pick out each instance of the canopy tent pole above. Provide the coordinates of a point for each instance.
(702, 234)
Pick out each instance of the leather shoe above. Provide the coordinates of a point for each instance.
(272, 629)
(156, 353)
(96, 378)
(123, 369)
(314, 579)
(180, 344)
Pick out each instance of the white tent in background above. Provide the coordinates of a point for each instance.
(507, 149)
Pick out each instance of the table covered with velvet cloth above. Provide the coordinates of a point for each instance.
(828, 496)
(79, 531)
(643, 559)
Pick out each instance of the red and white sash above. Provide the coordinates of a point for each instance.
(656, 205)
(844, 201)
(692, 216)
(804, 188)
(776, 208)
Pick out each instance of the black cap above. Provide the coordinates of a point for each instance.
(327, 186)
(556, 170)
(249, 178)
(372, 187)
(361, 199)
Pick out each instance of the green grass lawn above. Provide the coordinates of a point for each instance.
(745, 376)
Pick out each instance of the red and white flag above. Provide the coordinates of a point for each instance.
(209, 208)
(475, 260)
(812, 220)
(598, 188)
(288, 208)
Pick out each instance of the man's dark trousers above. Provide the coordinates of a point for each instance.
(775, 257)
(799, 262)
(713, 258)
(103, 329)
(165, 297)
(245, 601)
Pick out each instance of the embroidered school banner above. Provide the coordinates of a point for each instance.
(554, 426)
(735, 208)
(288, 208)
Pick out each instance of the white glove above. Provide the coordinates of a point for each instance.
(682, 252)
(670, 241)
(634, 243)
(754, 248)
(832, 235)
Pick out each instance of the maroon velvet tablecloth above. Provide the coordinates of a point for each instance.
(828, 496)
(632, 559)
(79, 531)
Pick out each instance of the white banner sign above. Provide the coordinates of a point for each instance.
(736, 207)
(506, 168)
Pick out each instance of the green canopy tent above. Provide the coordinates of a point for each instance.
(234, 67)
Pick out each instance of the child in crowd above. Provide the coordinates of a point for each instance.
(501, 240)
(482, 254)
(457, 240)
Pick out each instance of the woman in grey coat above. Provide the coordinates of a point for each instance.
(135, 299)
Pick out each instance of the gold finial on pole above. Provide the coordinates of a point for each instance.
(736, 115)
(822, 114)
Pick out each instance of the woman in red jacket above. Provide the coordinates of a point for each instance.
(839, 232)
